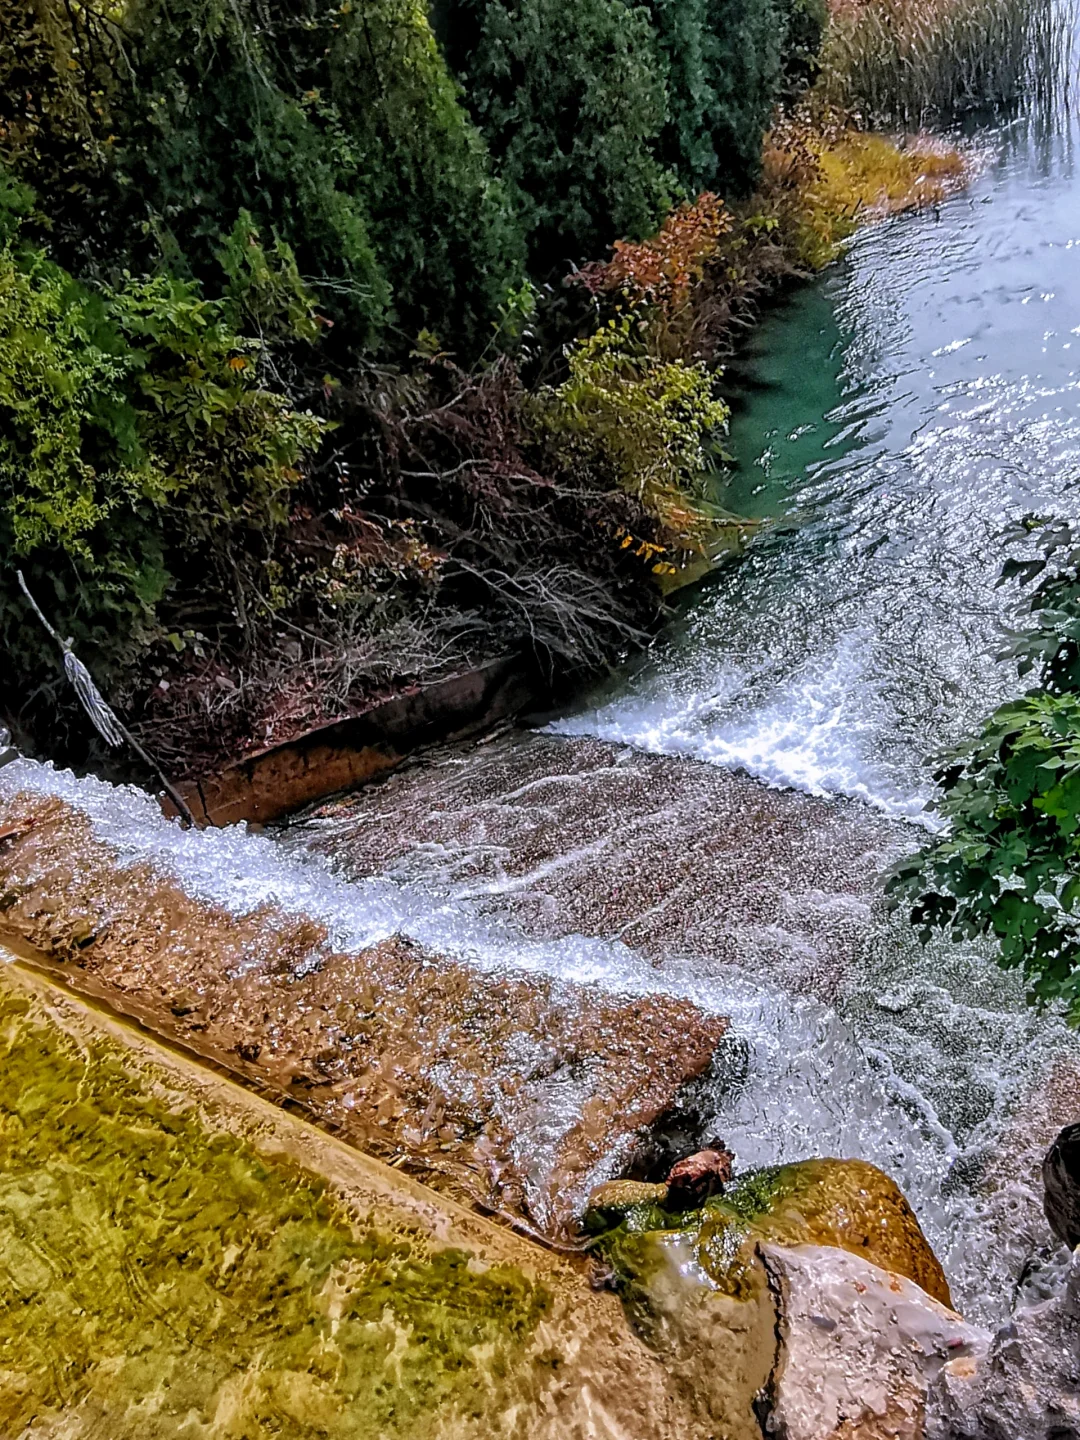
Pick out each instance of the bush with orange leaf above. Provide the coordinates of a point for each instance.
(662, 271)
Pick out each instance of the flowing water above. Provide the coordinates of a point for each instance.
(893, 419)
(894, 416)
(714, 824)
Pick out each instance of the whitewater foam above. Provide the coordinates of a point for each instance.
(812, 1085)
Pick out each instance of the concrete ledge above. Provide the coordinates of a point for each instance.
(345, 753)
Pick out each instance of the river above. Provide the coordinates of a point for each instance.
(715, 822)
(890, 420)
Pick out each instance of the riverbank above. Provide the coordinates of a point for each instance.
(271, 520)
(692, 291)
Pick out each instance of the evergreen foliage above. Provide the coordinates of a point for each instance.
(599, 113)
(571, 100)
(724, 62)
(335, 126)
(149, 127)
(52, 130)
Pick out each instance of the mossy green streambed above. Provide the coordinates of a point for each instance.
(178, 1258)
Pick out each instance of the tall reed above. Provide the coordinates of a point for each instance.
(906, 62)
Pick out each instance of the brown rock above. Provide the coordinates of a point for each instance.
(698, 1176)
(615, 1195)
(1061, 1186)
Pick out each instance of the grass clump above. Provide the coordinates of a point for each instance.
(906, 62)
(823, 178)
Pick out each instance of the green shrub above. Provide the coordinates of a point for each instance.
(136, 446)
(642, 424)
(53, 126)
(1008, 864)
(724, 60)
(600, 113)
(335, 126)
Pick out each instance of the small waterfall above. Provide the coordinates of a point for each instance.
(917, 1075)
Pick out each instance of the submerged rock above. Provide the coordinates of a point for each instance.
(184, 1261)
(515, 1091)
(1061, 1186)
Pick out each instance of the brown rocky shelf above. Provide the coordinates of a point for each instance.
(342, 754)
(515, 1092)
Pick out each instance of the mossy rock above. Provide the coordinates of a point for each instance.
(849, 1204)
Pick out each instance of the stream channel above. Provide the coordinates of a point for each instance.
(891, 419)
(715, 823)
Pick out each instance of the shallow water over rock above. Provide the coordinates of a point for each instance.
(182, 1261)
(519, 1092)
(855, 1040)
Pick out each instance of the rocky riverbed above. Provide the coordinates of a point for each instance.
(515, 1069)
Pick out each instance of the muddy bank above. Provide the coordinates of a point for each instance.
(515, 1092)
(182, 1259)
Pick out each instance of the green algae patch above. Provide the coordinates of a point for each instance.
(849, 1204)
(164, 1278)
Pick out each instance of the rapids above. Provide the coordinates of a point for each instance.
(714, 824)
(891, 420)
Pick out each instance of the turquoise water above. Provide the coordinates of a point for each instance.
(891, 419)
(786, 398)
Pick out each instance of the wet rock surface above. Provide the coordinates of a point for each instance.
(797, 1299)
(1061, 1186)
(862, 1347)
(847, 1204)
(580, 836)
(517, 1092)
(691, 1181)
(929, 1060)
(183, 1261)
